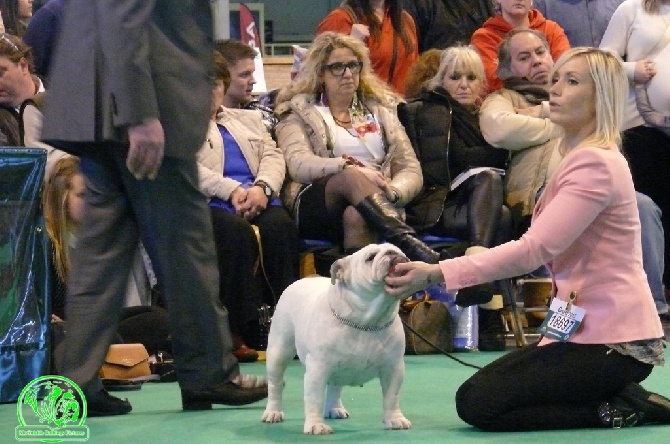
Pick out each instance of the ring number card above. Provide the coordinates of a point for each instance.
(563, 320)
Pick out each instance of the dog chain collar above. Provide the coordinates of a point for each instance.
(351, 324)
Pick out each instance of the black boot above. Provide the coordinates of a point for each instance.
(491, 330)
(475, 295)
(382, 216)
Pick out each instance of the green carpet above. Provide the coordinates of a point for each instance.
(427, 399)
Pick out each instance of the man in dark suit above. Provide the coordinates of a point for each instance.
(130, 94)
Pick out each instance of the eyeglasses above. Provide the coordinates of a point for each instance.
(337, 69)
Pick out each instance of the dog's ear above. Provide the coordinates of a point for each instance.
(338, 270)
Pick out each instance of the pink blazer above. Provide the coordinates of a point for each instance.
(586, 228)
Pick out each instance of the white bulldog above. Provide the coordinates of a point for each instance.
(346, 331)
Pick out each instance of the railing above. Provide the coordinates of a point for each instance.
(282, 48)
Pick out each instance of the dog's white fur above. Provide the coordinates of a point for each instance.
(335, 354)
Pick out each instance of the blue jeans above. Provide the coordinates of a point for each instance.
(653, 242)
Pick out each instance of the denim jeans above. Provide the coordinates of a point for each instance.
(653, 241)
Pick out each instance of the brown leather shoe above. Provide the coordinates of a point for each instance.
(242, 351)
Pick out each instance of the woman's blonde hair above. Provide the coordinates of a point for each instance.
(611, 91)
(309, 81)
(55, 207)
(454, 58)
(652, 6)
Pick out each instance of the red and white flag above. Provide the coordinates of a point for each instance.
(248, 28)
(249, 35)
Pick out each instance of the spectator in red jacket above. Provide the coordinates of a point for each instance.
(514, 14)
(386, 29)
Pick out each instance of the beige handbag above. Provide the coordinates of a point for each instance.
(126, 362)
(432, 320)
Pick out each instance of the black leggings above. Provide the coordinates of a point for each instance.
(555, 386)
(475, 211)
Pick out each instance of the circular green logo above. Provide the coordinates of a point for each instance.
(51, 409)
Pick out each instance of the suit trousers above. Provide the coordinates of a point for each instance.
(554, 386)
(171, 217)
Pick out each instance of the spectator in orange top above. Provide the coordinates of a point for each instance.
(514, 14)
(387, 30)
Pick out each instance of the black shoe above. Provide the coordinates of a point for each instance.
(491, 330)
(475, 295)
(227, 393)
(104, 404)
(619, 416)
(652, 408)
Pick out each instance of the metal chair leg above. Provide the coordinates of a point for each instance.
(509, 303)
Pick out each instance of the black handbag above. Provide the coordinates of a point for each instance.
(432, 321)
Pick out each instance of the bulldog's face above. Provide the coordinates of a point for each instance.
(366, 269)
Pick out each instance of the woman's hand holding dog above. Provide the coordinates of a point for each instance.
(409, 277)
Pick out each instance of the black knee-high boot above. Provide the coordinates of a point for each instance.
(382, 216)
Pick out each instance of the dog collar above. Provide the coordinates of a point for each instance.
(352, 324)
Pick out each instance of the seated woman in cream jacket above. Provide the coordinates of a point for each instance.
(350, 164)
(241, 171)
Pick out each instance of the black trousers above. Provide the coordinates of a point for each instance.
(555, 386)
(648, 153)
(243, 287)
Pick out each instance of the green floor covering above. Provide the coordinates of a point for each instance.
(426, 399)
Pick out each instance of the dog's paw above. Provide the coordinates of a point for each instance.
(337, 413)
(318, 428)
(273, 416)
(397, 423)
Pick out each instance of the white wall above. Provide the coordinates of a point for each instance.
(296, 20)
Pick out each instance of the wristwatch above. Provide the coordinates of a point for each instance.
(266, 188)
